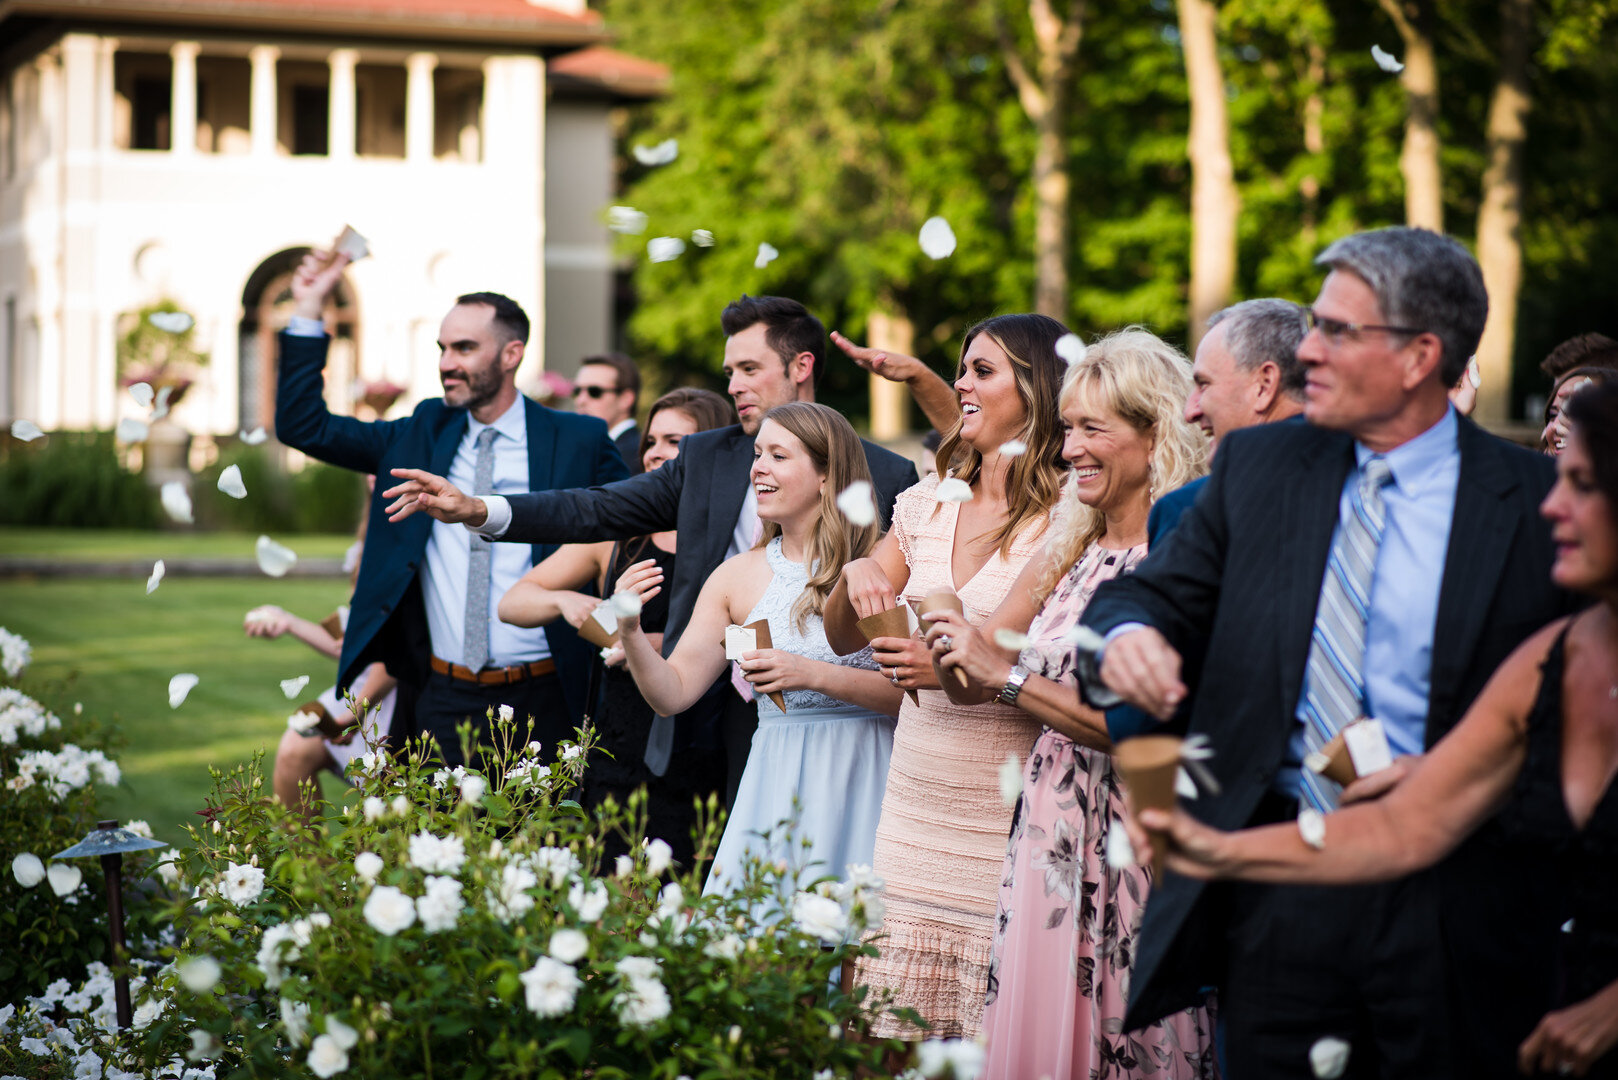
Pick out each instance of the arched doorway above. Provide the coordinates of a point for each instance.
(266, 309)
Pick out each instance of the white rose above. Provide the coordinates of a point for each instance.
(295, 1021)
(569, 946)
(64, 879)
(375, 808)
(326, 1058)
(241, 884)
(368, 864)
(199, 974)
(507, 714)
(511, 900)
(820, 917)
(659, 856)
(437, 855)
(473, 787)
(344, 1036)
(400, 805)
(642, 1003)
(28, 870)
(588, 903)
(624, 866)
(205, 1046)
(388, 910)
(551, 987)
(558, 862)
(440, 908)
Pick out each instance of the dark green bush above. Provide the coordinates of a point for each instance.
(321, 498)
(73, 479)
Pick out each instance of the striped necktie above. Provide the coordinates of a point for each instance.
(475, 632)
(1334, 681)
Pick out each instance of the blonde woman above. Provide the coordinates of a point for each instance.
(825, 759)
(942, 836)
(1065, 929)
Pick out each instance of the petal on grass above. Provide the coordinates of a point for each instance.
(275, 559)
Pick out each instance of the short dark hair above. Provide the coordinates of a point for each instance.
(1586, 350)
(1422, 280)
(508, 314)
(789, 328)
(1594, 410)
(1267, 329)
(628, 374)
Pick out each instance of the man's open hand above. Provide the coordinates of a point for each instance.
(441, 499)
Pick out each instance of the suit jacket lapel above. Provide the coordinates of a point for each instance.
(1309, 519)
(542, 435)
(727, 491)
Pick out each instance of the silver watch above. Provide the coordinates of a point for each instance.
(1013, 687)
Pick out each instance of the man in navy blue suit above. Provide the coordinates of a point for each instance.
(427, 592)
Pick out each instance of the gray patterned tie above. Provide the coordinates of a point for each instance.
(1334, 681)
(475, 649)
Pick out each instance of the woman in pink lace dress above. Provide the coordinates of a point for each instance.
(1066, 924)
(941, 837)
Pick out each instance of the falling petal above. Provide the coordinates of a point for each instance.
(179, 687)
(1010, 639)
(1120, 852)
(177, 501)
(230, 482)
(274, 559)
(626, 605)
(702, 237)
(766, 255)
(661, 154)
(142, 393)
(626, 220)
(937, 238)
(664, 248)
(1316, 762)
(64, 878)
(1013, 448)
(25, 430)
(1070, 348)
(1328, 1057)
(953, 491)
(161, 409)
(131, 430)
(293, 687)
(158, 570)
(1386, 61)
(254, 437)
(1010, 779)
(173, 322)
(1312, 827)
(858, 503)
(1184, 786)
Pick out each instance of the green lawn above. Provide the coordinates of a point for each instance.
(123, 544)
(116, 648)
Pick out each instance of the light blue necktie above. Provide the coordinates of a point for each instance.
(1334, 682)
(475, 633)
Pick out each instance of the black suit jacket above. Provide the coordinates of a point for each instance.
(387, 618)
(1239, 580)
(700, 494)
(628, 444)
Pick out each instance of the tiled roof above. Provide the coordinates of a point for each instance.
(607, 69)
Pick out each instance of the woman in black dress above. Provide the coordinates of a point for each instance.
(1536, 755)
(621, 717)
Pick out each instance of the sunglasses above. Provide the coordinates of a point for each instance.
(1335, 330)
(594, 393)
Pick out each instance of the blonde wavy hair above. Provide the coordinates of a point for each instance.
(1145, 381)
(834, 541)
(1034, 479)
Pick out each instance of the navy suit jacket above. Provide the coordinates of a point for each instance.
(387, 617)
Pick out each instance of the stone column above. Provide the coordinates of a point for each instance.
(183, 103)
(264, 119)
(419, 107)
(340, 128)
(106, 92)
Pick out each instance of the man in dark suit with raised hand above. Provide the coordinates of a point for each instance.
(427, 592)
(1379, 560)
(774, 352)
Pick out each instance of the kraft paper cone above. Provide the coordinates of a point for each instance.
(333, 625)
(890, 623)
(1339, 765)
(942, 601)
(596, 634)
(1148, 765)
(762, 628)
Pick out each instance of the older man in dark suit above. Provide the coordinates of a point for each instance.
(1379, 560)
(774, 352)
(425, 601)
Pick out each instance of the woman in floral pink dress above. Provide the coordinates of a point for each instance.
(1066, 921)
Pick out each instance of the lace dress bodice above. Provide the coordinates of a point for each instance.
(776, 605)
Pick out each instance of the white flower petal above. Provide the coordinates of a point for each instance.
(28, 870)
(1010, 639)
(179, 687)
(275, 559)
(304, 723)
(702, 237)
(25, 430)
(1120, 852)
(664, 248)
(177, 501)
(1013, 448)
(230, 482)
(131, 430)
(161, 408)
(1011, 779)
(569, 946)
(142, 393)
(952, 490)
(937, 238)
(661, 154)
(626, 605)
(1328, 1057)
(1184, 786)
(173, 322)
(158, 570)
(293, 687)
(626, 220)
(858, 503)
(766, 255)
(1070, 348)
(64, 878)
(1312, 827)
(254, 437)
(1386, 61)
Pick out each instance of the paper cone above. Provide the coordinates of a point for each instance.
(1147, 764)
(943, 600)
(1339, 765)
(890, 623)
(593, 632)
(327, 727)
(333, 625)
(762, 628)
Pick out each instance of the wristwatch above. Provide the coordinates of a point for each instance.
(1013, 687)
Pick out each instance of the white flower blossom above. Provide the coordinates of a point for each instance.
(510, 900)
(205, 1046)
(389, 910)
(589, 903)
(440, 907)
(368, 864)
(820, 917)
(241, 884)
(560, 863)
(28, 870)
(473, 788)
(642, 1000)
(659, 857)
(725, 947)
(569, 946)
(344, 1036)
(437, 855)
(326, 1058)
(550, 987)
(295, 1021)
(139, 828)
(15, 652)
(937, 239)
(400, 806)
(198, 974)
(375, 809)
(507, 714)
(623, 866)
(64, 879)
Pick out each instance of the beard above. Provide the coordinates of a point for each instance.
(480, 388)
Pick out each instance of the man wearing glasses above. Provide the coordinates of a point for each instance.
(607, 387)
(1379, 560)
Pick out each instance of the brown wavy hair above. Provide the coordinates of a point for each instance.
(706, 409)
(1034, 480)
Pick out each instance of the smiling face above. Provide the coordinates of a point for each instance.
(1222, 398)
(992, 409)
(476, 363)
(785, 479)
(1584, 527)
(664, 432)
(1362, 384)
(1554, 437)
(1111, 460)
(760, 380)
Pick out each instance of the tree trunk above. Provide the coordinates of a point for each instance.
(1215, 203)
(1424, 187)
(890, 401)
(1500, 215)
(1314, 140)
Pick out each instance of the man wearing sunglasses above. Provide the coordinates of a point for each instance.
(607, 387)
(1378, 560)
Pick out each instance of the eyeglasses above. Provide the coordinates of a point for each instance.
(1335, 330)
(594, 393)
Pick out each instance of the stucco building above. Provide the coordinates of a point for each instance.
(193, 150)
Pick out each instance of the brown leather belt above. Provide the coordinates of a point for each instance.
(494, 676)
